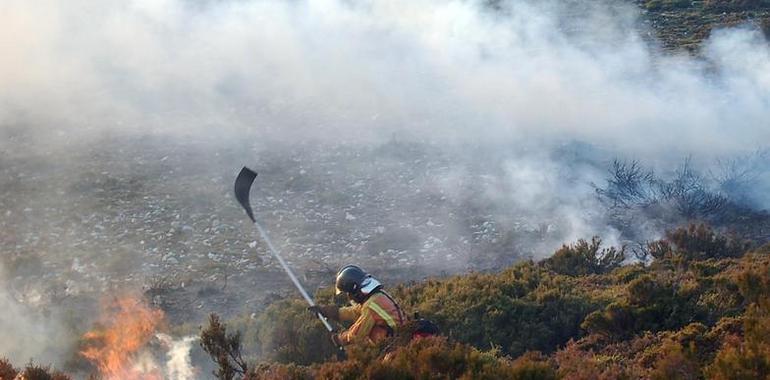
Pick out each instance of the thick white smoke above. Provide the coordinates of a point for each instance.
(178, 364)
(435, 69)
(27, 332)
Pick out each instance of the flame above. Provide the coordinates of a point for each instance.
(116, 345)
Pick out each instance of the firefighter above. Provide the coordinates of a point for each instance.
(377, 316)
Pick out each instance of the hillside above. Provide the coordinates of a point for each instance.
(569, 189)
(698, 310)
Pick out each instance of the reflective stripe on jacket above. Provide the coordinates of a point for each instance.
(375, 319)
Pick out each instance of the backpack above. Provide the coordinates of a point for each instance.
(423, 328)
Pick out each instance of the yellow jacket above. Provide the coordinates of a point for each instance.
(377, 318)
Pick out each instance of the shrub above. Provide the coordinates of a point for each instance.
(616, 321)
(584, 258)
(287, 332)
(628, 185)
(676, 362)
(438, 358)
(37, 372)
(741, 360)
(632, 192)
(749, 358)
(428, 358)
(576, 364)
(7, 371)
(276, 371)
(525, 307)
(224, 349)
(650, 304)
(696, 242)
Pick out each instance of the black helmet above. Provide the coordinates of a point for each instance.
(350, 279)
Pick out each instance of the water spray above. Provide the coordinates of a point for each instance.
(242, 188)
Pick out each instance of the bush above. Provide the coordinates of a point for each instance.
(695, 242)
(7, 372)
(616, 321)
(650, 304)
(224, 349)
(276, 371)
(583, 258)
(526, 307)
(676, 363)
(632, 193)
(749, 357)
(576, 364)
(30, 372)
(427, 358)
(288, 333)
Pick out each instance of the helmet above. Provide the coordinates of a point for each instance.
(352, 279)
(349, 279)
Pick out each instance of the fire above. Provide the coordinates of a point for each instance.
(125, 327)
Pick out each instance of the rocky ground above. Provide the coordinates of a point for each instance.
(158, 215)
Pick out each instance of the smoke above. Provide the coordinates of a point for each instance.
(445, 70)
(178, 365)
(28, 332)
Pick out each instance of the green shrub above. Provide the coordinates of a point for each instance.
(584, 258)
(288, 333)
(749, 357)
(428, 358)
(696, 242)
(525, 307)
(675, 363)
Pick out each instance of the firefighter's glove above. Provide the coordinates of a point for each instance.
(328, 311)
(336, 340)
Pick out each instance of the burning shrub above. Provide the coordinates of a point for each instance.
(583, 258)
(125, 327)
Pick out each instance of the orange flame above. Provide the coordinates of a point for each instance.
(126, 326)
